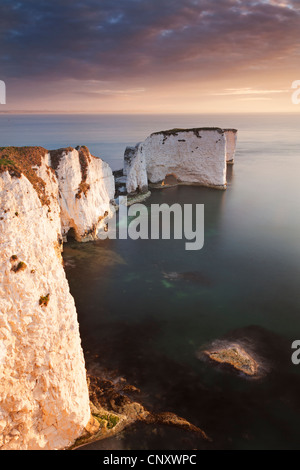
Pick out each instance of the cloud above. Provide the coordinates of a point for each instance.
(118, 92)
(146, 52)
(249, 91)
(111, 92)
(255, 99)
(104, 40)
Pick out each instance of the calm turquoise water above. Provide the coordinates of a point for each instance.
(149, 329)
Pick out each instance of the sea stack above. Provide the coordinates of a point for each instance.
(231, 140)
(189, 156)
(44, 400)
(135, 170)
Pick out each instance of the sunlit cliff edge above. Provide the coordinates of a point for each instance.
(44, 400)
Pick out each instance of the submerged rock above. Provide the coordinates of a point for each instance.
(191, 276)
(235, 356)
(137, 198)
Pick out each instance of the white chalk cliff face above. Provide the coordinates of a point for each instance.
(192, 156)
(44, 400)
(135, 170)
(231, 140)
(86, 189)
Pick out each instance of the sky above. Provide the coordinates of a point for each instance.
(149, 56)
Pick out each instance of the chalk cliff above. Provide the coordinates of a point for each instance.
(135, 169)
(44, 402)
(191, 156)
(86, 189)
(231, 140)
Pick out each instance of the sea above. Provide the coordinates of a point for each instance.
(147, 308)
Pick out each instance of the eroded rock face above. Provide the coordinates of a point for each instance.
(231, 140)
(86, 188)
(44, 399)
(43, 392)
(135, 170)
(189, 156)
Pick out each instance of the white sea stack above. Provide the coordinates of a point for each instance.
(231, 140)
(135, 169)
(191, 156)
(44, 399)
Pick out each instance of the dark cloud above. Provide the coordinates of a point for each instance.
(151, 39)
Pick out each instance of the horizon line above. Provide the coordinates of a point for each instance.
(78, 113)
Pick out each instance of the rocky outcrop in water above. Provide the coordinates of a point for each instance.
(135, 170)
(190, 156)
(231, 140)
(251, 351)
(44, 400)
(234, 356)
(115, 405)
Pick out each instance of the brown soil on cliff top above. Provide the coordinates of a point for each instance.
(24, 160)
(56, 156)
(84, 160)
